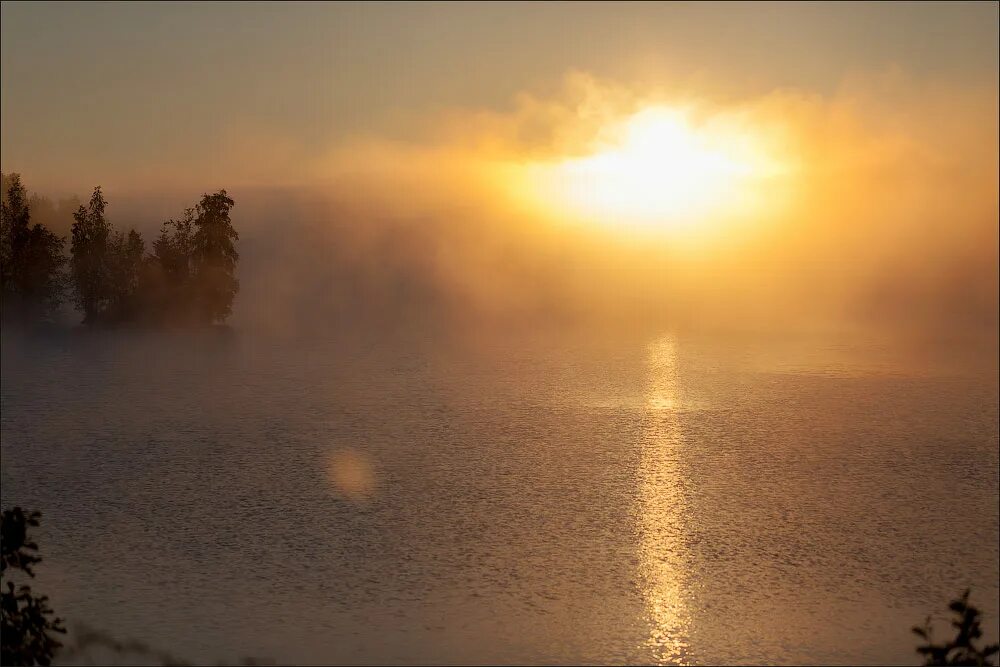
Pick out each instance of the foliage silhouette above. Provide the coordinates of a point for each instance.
(31, 260)
(127, 253)
(90, 262)
(106, 265)
(167, 277)
(27, 635)
(215, 257)
(188, 279)
(960, 650)
(27, 629)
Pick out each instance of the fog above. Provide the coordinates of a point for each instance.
(883, 217)
(566, 333)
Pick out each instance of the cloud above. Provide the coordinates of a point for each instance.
(884, 212)
(889, 195)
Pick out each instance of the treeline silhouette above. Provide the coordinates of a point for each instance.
(189, 278)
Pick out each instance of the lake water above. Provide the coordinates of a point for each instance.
(657, 500)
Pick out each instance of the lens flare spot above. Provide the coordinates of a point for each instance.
(352, 475)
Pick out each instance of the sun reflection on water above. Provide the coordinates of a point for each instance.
(661, 501)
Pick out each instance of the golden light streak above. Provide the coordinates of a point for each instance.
(660, 511)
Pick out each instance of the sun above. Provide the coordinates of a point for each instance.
(663, 171)
(656, 170)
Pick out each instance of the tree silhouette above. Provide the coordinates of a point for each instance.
(106, 264)
(215, 257)
(41, 282)
(15, 216)
(167, 282)
(189, 278)
(174, 248)
(90, 263)
(27, 636)
(31, 259)
(960, 650)
(126, 254)
(28, 632)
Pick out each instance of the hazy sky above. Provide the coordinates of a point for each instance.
(111, 88)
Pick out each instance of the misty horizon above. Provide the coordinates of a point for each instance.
(500, 333)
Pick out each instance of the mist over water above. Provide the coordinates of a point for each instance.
(453, 436)
(434, 438)
(317, 262)
(514, 498)
(666, 333)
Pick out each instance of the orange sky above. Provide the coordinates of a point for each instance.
(119, 93)
(881, 119)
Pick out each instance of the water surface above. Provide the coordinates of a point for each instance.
(670, 499)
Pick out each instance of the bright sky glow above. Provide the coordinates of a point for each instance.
(659, 171)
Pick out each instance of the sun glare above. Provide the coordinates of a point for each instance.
(657, 171)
